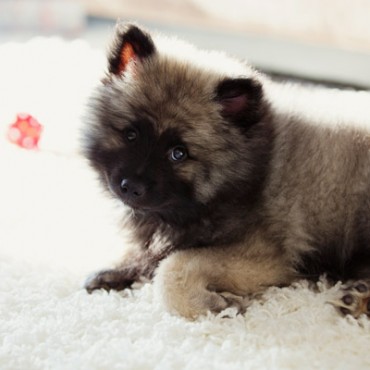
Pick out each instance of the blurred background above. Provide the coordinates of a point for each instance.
(323, 40)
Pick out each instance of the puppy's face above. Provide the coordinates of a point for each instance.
(168, 136)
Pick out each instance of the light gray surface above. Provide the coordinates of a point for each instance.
(284, 56)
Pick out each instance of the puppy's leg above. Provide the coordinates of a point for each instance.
(136, 264)
(193, 282)
(354, 298)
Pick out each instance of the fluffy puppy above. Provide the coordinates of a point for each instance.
(228, 189)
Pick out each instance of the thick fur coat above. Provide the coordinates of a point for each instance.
(228, 190)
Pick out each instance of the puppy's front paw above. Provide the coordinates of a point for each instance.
(109, 279)
(241, 303)
(354, 299)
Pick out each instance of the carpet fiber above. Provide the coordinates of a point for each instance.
(56, 227)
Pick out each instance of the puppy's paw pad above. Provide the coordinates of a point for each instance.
(354, 299)
(108, 280)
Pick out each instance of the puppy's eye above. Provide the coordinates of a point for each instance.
(178, 154)
(131, 135)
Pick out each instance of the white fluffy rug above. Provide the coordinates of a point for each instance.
(56, 227)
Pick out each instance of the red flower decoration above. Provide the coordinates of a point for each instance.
(25, 131)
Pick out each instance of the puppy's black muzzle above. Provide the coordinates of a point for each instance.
(133, 190)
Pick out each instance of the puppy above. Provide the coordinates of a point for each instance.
(229, 186)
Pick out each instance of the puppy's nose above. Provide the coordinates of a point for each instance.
(132, 188)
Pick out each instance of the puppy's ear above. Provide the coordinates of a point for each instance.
(129, 43)
(240, 100)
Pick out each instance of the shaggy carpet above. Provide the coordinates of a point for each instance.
(56, 227)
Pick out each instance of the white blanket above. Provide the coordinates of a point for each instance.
(56, 227)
